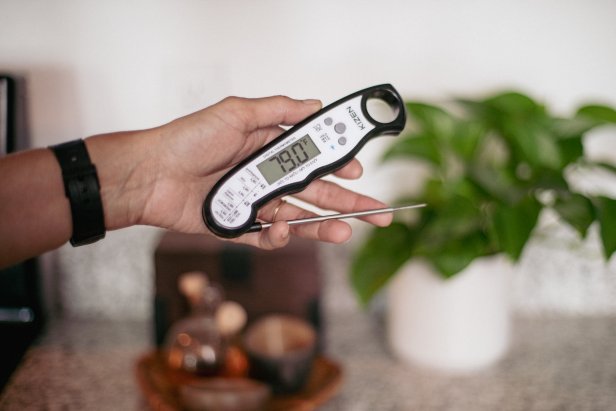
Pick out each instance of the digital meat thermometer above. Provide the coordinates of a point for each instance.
(319, 145)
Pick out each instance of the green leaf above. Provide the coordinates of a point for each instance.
(571, 149)
(507, 106)
(456, 255)
(515, 104)
(432, 120)
(434, 193)
(456, 219)
(512, 226)
(477, 109)
(467, 136)
(385, 251)
(577, 211)
(497, 183)
(420, 146)
(597, 112)
(606, 214)
(438, 193)
(452, 235)
(536, 145)
(606, 166)
(549, 180)
(565, 128)
(525, 126)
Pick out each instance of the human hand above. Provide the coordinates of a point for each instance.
(178, 164)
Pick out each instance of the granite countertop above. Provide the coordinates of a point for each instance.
(554, 364)
(80, 365)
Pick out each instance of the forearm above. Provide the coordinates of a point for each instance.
(34, 212)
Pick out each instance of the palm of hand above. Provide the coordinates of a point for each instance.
(196, 156)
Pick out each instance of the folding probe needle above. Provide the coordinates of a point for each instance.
(259, 226)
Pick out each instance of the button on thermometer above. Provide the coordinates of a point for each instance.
(319, 145)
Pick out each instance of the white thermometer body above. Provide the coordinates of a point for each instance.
(319, 145)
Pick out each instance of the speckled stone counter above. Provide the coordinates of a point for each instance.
(553, 364)
(80, 365)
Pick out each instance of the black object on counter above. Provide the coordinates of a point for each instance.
(21, 316)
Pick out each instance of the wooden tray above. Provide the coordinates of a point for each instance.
(160, 386)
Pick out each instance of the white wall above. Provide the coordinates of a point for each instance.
(100, 66)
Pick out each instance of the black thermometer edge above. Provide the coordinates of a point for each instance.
(385, 92)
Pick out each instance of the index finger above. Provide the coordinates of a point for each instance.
(256, 113)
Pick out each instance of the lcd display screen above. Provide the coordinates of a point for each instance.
(288, 159)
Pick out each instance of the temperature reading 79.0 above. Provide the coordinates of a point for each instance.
(288, 159)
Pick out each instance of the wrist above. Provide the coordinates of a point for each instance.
(81, 188)
(126, 173)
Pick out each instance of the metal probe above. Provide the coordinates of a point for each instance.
(260, 226)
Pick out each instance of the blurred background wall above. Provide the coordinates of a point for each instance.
(96, 67)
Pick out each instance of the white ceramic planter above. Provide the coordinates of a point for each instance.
(461, 324)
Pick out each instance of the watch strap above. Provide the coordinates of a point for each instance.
(82, 188)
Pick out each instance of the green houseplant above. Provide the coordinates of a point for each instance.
(495, 164)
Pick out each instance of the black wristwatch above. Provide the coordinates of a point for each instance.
(82, 189)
